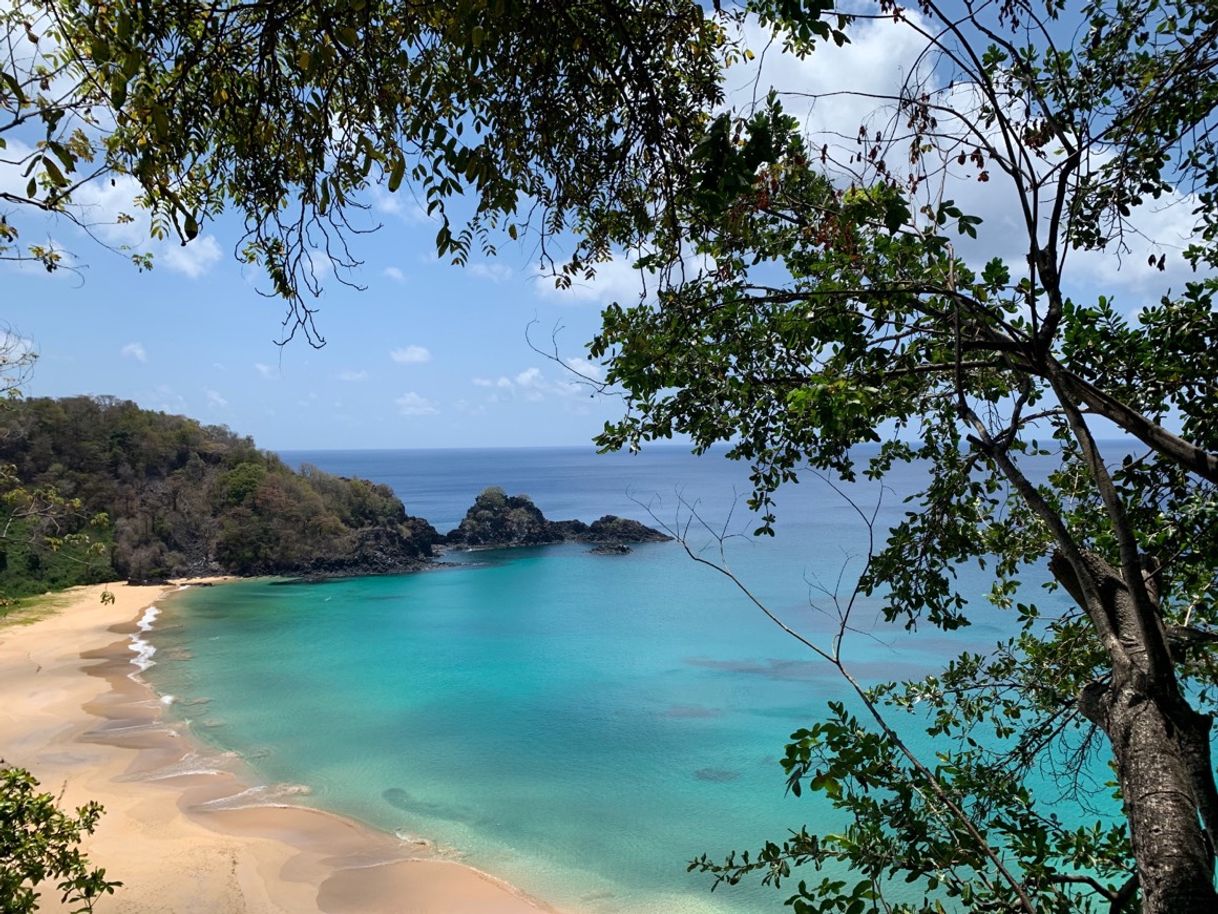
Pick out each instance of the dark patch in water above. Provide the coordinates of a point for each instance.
(400, 799)
(790, 670)
(718, 775)
(692, 711)
(812, 670)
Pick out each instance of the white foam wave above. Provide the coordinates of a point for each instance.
(413, 840)
(141, 646)
(192, 763)
(261, 795)
(149, 617)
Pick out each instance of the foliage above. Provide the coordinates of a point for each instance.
(17, 357)
(46, 539)
(183, 498)
(847, 302)
(39, 842)
(540, 111)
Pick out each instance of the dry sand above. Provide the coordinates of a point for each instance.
(71, 713)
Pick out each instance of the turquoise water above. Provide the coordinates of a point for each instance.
(580, 725)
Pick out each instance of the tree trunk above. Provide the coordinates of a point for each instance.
(1164, 784)
(1161, 746)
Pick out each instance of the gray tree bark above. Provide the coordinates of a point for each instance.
(1162, 750)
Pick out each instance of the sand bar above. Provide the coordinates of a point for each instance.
(71, 713)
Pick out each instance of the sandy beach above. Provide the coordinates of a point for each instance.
(71, 712)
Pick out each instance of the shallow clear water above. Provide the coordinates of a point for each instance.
(580, 725)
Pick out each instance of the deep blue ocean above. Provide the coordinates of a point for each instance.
(580, 725)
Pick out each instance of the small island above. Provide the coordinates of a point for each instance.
(501, 521)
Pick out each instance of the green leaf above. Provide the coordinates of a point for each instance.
(398, 172)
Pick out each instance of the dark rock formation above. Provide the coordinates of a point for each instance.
(382, 550)
(614, 529)
(499, 520)
(611, 549)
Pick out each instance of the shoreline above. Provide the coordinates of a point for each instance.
(74, 711)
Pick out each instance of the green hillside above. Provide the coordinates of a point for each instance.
(181, 498)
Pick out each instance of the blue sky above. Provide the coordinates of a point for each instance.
(429, 355)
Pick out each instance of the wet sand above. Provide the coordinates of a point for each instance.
(182, 829)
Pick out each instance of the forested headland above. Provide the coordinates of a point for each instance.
(109, 490)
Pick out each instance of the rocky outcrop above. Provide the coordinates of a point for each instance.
(408, 546)
(614, 529)
(611, 549)
(499, 520)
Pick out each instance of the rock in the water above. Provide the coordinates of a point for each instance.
(614, 529)
(499, 520)
(611, 549)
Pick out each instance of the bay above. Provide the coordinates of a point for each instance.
(580, 725)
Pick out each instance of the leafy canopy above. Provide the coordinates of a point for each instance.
(520, 115)
(41, 842)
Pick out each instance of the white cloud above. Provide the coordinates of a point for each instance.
(494, 272)
(109, 207)
(582, 366)
(319, 264)
(530, 377)
(395, 274)
(401, 205)
(215, 399)
(828, 92)
(1160, 227)
(134, 351)
(264, 371)
(411, 355)
(615, 280)
(385, 202)
(412, 404)
(880, 56)
(193, 259)
(530, 384)
(352, 377)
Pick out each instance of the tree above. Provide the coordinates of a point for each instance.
(17, 357)
(847, 300)
(39, 841)
(545, 112)
(842, 304)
